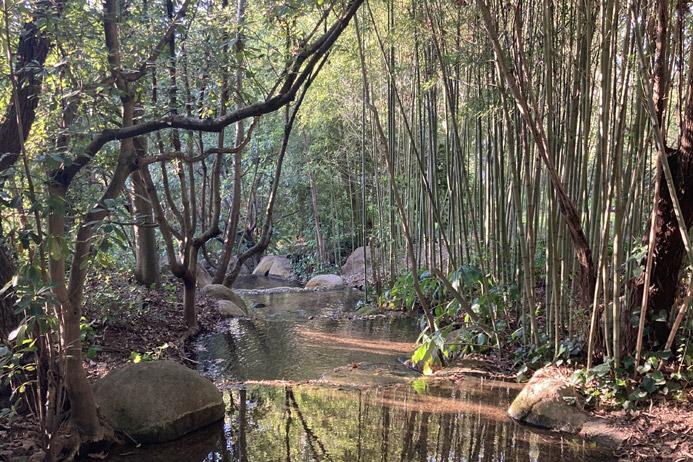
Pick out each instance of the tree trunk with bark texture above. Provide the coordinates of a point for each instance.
(146, 250)
(668, 248)
(31, 54)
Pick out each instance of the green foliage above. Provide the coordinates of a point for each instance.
(528, 357)
(18, 364)
(457, 333)
(604, 384)
(87, 335)
(152, 355)
(402, 296)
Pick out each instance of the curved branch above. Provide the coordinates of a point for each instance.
(293, 82)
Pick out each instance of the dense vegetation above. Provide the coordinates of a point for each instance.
(522, 173)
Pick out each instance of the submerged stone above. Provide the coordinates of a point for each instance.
(158, 401)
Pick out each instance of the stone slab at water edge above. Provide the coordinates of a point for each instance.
(158, 401)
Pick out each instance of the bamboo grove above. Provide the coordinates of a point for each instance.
(528, 139)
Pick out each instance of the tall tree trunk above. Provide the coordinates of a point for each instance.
(8, 319)
(147, 270)
(31, 54)
(668, 247)
(30, 57)
(234, 214)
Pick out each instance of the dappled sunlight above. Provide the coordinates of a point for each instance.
(338, 340)
(442, 405)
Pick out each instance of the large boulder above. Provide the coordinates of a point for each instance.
(359, 261)
(325, 281)
(263, 268)
(274, 265)
(158, 401)
(281, 268)
(221, 292)
(229, 308)
(548, 400)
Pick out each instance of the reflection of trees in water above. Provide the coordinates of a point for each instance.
(385, 433)
(297, 424)
(312, 438)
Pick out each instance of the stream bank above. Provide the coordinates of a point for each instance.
(306, 378)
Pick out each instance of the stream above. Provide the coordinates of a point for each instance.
(305, 379)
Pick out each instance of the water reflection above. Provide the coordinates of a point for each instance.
(305, 335)
(446, 423)
(249, 281)
(300, 336)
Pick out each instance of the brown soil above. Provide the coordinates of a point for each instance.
(140, 321)
(664, 432)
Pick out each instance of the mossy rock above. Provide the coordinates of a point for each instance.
(548, 400)
(158, 401)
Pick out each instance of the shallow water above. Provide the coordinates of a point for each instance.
(305, 336)
(461, 422)
(249, 281)
(300, 336)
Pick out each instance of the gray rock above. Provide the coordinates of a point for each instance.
(356, 262)
(281, 268)
(203, 277)
(158, 401)
(325, 281)
(263, 268)
(163, 264)
(221, 292)
(229, 308)
(548, 400)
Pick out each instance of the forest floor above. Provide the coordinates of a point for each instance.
(128, 322)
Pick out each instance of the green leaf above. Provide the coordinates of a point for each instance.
(420, 386)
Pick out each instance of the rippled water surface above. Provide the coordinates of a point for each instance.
(305, 336)
(300, 336)
(248, 281)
